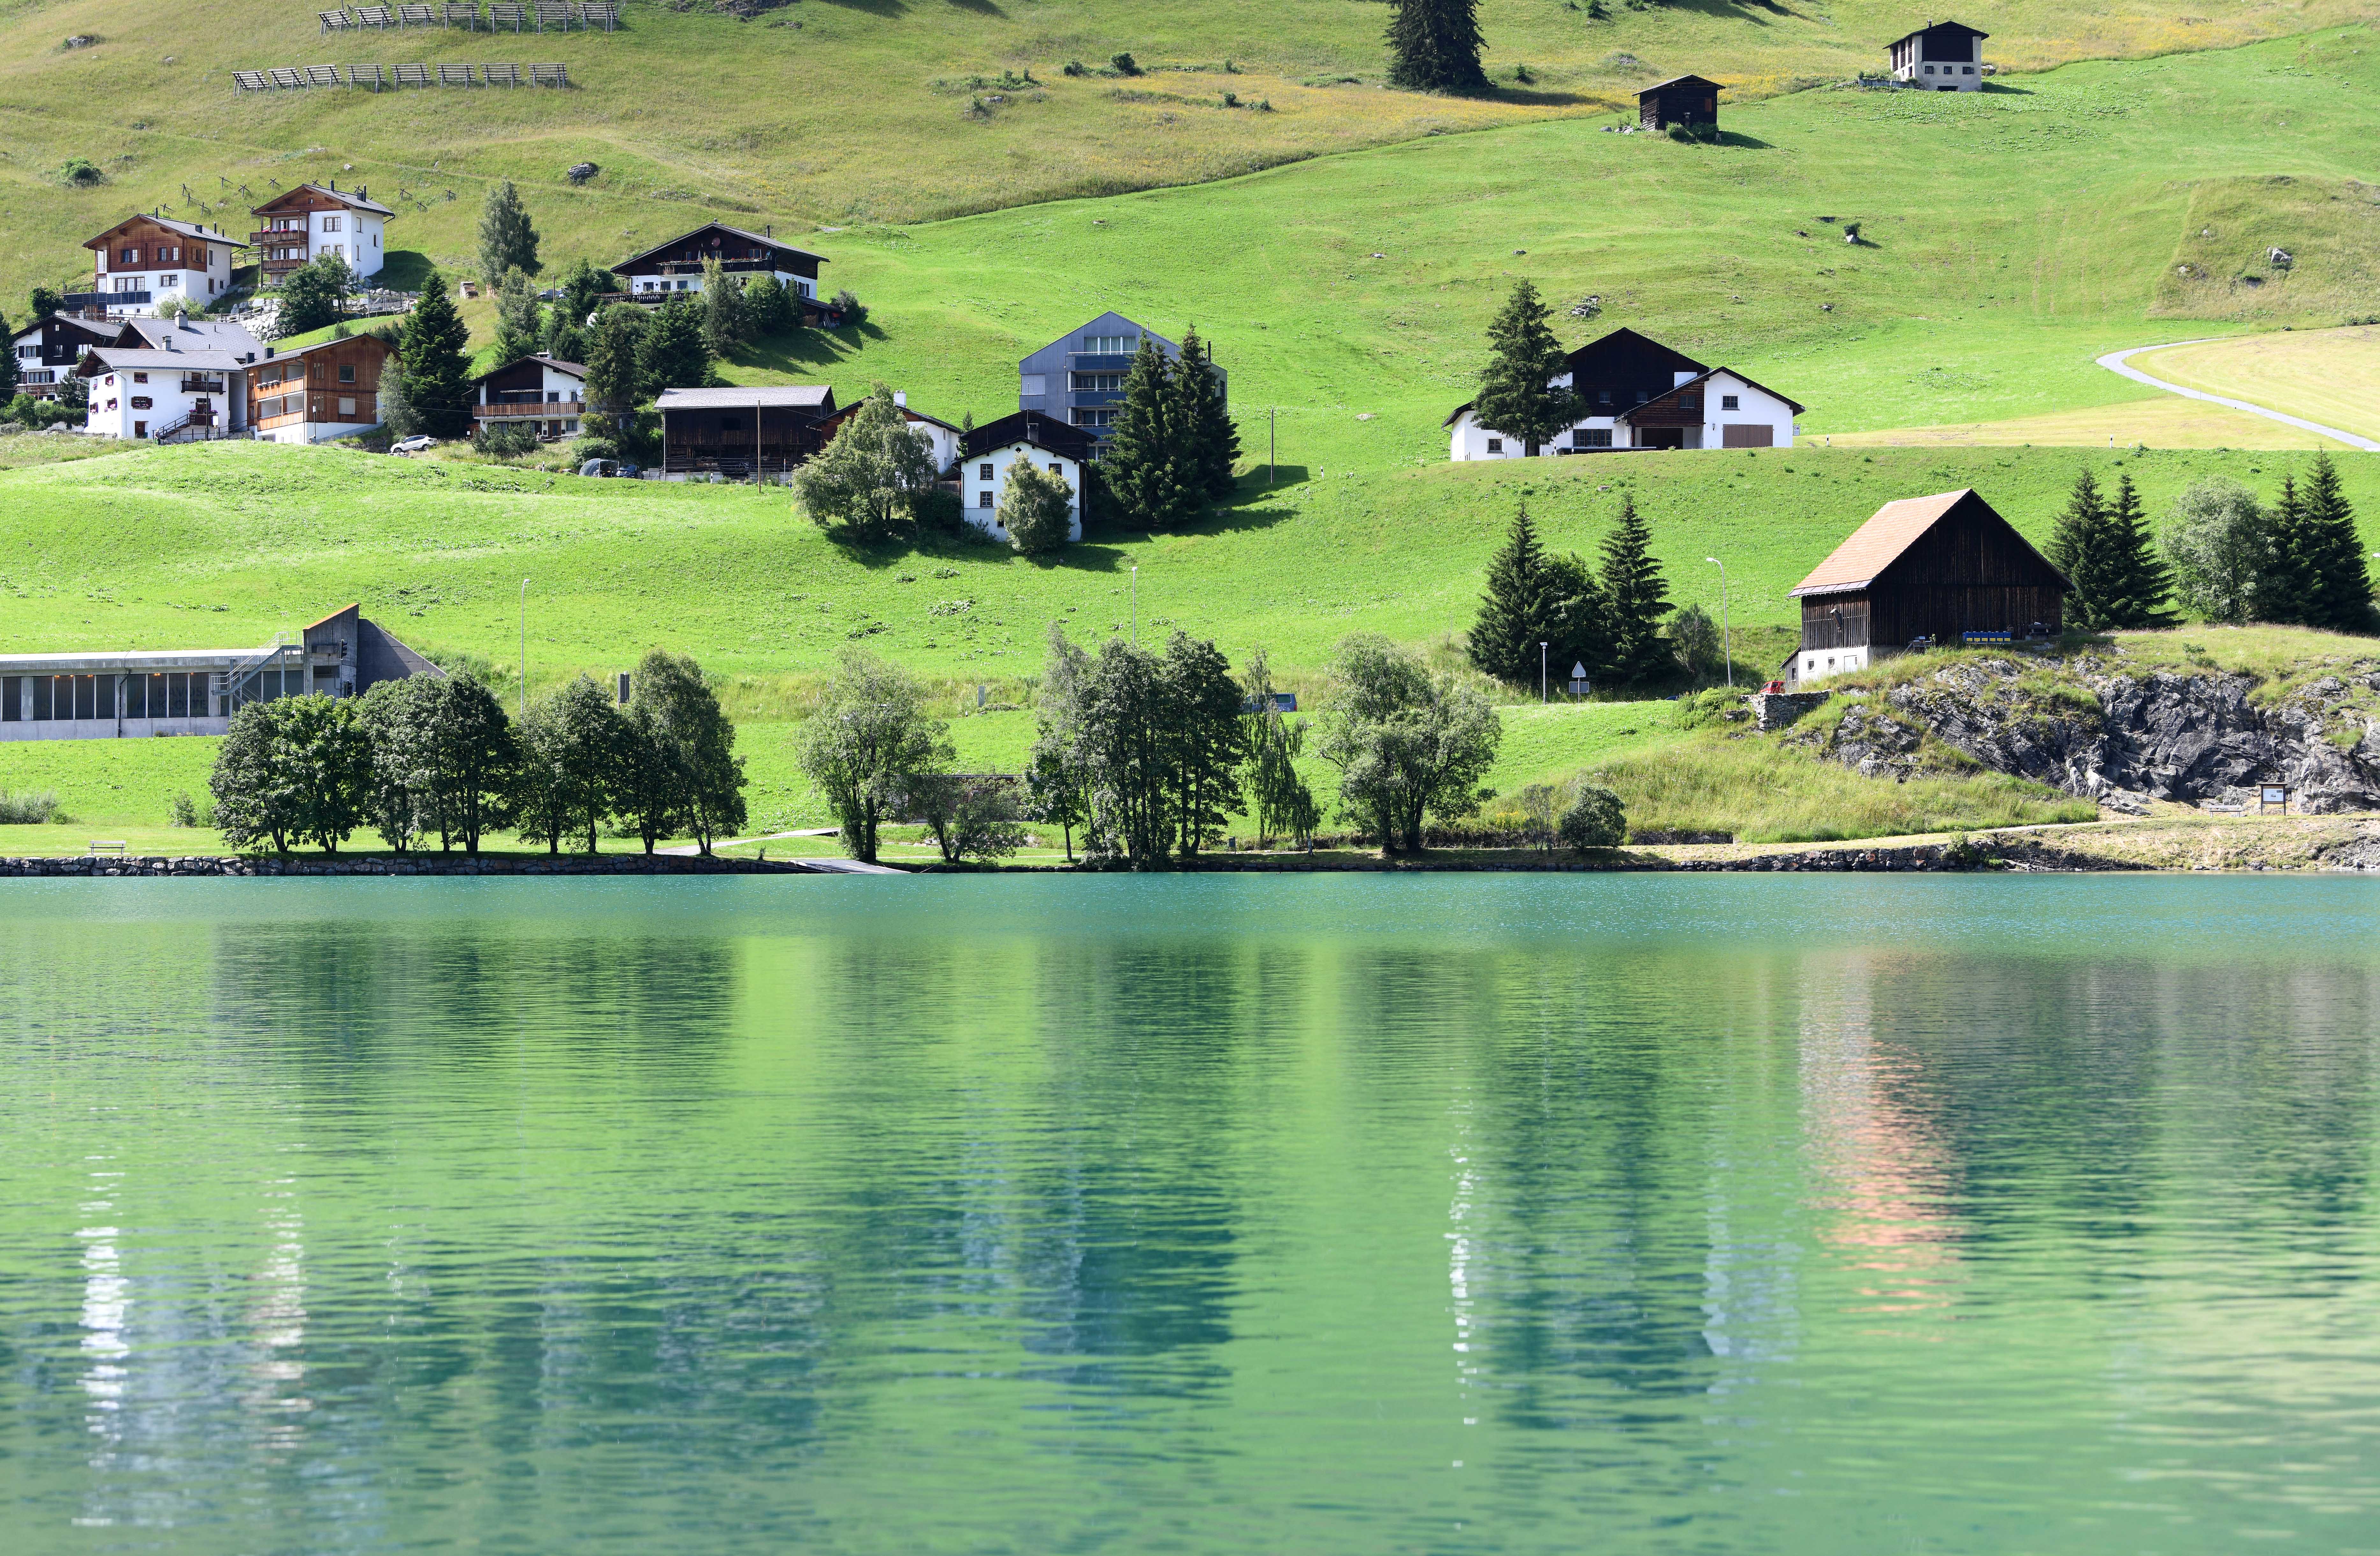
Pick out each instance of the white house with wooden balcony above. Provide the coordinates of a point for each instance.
(143, 265)
(48, 348)
(540, 393)
(317, 392)
(300, 225)
(675, 267)
(184, 390)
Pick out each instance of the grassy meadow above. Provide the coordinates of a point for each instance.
(2330, 376)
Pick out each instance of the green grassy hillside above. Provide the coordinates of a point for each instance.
(889, 110)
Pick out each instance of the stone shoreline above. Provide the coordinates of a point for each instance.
(198, 865)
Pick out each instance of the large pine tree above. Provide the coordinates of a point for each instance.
(672, 355)
(1214, 437)
(1635, 600)
(2077, 546)
(434, 359)
(1516, 393)
(1434, 47)
(2340, 585)
(1150, 466)
(507, 238)
(1515, 614)
(2135, 582)
(2286, 579)
(8, 362)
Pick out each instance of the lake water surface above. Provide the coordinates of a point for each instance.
(1337, 1214)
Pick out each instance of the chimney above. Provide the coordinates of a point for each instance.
(335, 186)
(901, 398)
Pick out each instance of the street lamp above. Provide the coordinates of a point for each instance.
(1726, 645)
(1541, 673)
(1135, 604)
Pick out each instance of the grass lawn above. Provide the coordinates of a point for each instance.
(2330, 376)
(2167, 421)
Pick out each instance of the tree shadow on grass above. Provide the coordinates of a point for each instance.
(1749, 143)
(403, 270)
(874, 8)
(2005, 90)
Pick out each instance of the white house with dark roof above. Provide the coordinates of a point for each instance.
(182, 391)
(544, 394)
(675, 267)
(940, 436)
(144, 264)
(1631, 391)
(1940, 56)
(988, 454)
(311, 220)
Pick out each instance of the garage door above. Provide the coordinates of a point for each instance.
(1741, 435)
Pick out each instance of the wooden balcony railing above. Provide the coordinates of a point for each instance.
(547, 409)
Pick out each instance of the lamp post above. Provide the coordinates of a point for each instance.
(1135, 604)
(1541, 673)
(523, 651)
(1726, 645)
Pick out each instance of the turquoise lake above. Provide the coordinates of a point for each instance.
(1201, 1215)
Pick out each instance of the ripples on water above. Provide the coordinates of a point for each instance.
(1188, 1215)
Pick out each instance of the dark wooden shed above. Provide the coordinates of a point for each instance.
(1687, 100)
(1935, 567)
(742, 431)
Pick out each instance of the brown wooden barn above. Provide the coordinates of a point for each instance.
(1924, 571)
(1687, 100)
(742, 431)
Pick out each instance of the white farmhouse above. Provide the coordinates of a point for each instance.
(941, 437)
(1940, 56)
(312, 220)
(988, 454)
(1633, 392)
(143, 265)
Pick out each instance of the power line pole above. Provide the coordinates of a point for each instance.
(1541, 673)
(1726, 643)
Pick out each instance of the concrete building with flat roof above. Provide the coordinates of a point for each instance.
(104, 695)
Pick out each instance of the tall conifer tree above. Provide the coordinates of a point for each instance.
(2285, 580)
(673, 355)
(2340, 584)
(2075, 546)
(1150, 467)
(8, 362)
(1434, 47)
(1213, 436)
(434, 359)
(2137, 584)
(1516, 393)
(507, 238)
(1635, 599)
(1515, 612)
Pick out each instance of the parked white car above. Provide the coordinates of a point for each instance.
(413, 444)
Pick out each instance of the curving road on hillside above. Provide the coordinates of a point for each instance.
(2121, 362)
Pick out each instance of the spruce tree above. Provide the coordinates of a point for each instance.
(1434, 47)
(1149, 467)
(507, 239)
(1636, 599)
(8, 363)
(517, 319)
(1513, 613)
(2338, 583)
(1213, 436)
(2135, 582)
(613, 388)
(2285, 580)
(727, 317)
(673, 355)
(434, 357)
(1516, 393)
(2074, 545)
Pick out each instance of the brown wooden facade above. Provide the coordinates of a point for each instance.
(707, 431)
(1687, 100)
(337, 382)
(1968, 571)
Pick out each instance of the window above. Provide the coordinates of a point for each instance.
(110, 405)
(135, 697)
(1056, 468)
(1495, 446)
(331, 224)
(1109, 345)
(1603, 397)
(347, 404)
(983, 498)
(346, 372)
(983, 471)
(1094, 416)
(1726, 402)
(129, 256)
(1966, 69)
(178, 690)
(1591, 437)
(1099, 382)
(1929, 70)
(44, 691)
(86, 703)
(142, 402)
(140, 377)
(11, 698)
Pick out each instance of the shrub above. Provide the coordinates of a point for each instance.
(1595, 820)
(80, 173)
(594, 448)
(1125, 65)
(1037, 508)
(847, 303)
(938, 508)
(192, 813)
(505, 442)
(32, 809)
(1074, 67)
(1230, 100)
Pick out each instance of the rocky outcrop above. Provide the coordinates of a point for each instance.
(2098, 731)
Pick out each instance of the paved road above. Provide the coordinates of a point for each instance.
(2121, 362)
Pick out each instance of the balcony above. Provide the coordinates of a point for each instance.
(1081, 362)
(202, 386)
(694, 267)
(77, 302)
(277, 237)
(529, 408)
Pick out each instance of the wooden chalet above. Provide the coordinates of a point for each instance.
(1687, 100)
(1923, 572)
(317, 392)
(48, 348)
(675, 267)
(739, 432)
(543, 394)
(302, 223)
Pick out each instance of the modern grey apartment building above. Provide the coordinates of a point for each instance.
(105, 695)
(1078, 378)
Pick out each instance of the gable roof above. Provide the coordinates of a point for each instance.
(1704, 378)
(569, 370)
(911, 412)
(188, 229)
(780, 396)
(101, 334)
(284, 353)
(746, 232)
(120, 358)
(1680, 82)
(1942, 29)
(209, 334)
(1877, 544)
(1625, 343)
(1107, 323)
(353, 198)
(1037, 429)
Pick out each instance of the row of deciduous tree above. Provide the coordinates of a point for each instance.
(1146, 752)
(437, 756)
(1607, 619)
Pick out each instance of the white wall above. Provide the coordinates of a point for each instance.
(355, 236)
(1753, 407)
(975, 487)
(1816, 664)
(113, 414)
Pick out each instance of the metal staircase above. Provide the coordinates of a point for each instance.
(237, 679)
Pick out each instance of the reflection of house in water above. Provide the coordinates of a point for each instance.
(104, 694)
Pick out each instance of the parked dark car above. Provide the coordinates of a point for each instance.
(609, 467)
